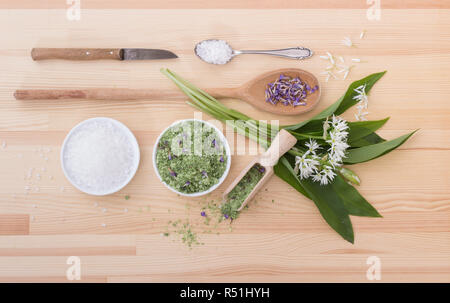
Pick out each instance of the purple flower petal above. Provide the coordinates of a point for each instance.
(226, 216)
(172, 173)
(221, 159)
(203, 214)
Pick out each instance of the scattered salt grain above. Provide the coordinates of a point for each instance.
(99, 156)
(347, 42)
(214, 51)
(104, 210)
(61, 189)
(125, 210)
(103, 225)
(30, 173)
(3, 144)
(95, 204)
(32, 218)
(363, 32)
(356, 60)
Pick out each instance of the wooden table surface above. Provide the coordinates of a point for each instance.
(44, 220)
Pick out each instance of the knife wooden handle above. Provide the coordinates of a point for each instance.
(76, 53)
(95, 94)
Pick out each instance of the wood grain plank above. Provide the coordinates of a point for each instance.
(14, 224)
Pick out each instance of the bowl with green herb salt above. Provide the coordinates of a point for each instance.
(191, 157)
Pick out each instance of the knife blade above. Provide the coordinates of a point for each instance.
(101, 54)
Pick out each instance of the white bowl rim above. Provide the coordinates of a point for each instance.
(227, 150)
(133, 141)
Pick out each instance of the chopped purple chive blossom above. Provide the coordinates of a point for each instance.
(203, 214)
(204, 174)
(213, 143)
(226, 216)
(262, 169)
(170, 156)
(187, 183)
(288, 91)
(221, 159)
(172, 173)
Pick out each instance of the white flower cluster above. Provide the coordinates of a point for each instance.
(321, 167)
(363, 102)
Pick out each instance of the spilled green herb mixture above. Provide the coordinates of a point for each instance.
(191, 157)
(240, 192)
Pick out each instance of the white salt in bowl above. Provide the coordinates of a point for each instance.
(227, 151)
(124, 133)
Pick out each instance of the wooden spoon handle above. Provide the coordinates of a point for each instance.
(283, 142)
(225, 92)
(76, 53)
(94, 94)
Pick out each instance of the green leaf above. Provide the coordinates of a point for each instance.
(360, 129)
(355, 204)
(343, 103)
(369, 152)
(348, 100)
(373, 138)
(284, 170)
(331, 207)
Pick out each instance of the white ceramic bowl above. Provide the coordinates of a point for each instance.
(135, 146)
(227, 151)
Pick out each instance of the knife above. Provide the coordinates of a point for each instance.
(101, 54)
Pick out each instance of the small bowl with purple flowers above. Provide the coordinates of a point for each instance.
(191, 157)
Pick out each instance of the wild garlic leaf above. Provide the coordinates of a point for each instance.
(369, 152)
(348, 100)
(370, 139)
(331, 207)
(344, 103)
(355, 203)
(360, 129)
(284, 170)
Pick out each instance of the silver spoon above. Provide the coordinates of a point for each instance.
(224, 53)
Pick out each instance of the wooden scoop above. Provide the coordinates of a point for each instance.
(252, 92)
(282, 142)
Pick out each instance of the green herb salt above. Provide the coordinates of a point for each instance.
(191, 157)
(240, 192)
